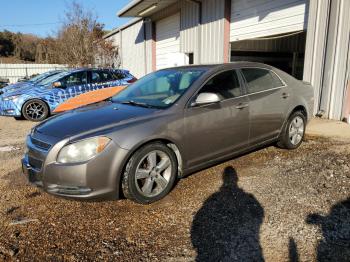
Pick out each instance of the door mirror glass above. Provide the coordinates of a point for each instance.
(206, 98)
(57, 84)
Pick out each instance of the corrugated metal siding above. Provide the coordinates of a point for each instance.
(189, 27)
(335, 78)
(148, 47)
(327, 52)
(133, 56)
(294, 43)
(167, 41)
(212, 31)
(316, 46)
(257, 18)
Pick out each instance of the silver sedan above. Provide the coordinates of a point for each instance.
(168, 124)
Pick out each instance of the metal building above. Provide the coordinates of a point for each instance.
(307, 38)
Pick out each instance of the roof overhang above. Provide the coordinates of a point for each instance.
(144, 8)
(118, 29)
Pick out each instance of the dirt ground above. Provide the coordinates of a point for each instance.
(271, 205)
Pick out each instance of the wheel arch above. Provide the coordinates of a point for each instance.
(32, 98)
(294, 109)
(171, 144)
(300, 108)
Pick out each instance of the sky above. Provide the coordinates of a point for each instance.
(42, 17)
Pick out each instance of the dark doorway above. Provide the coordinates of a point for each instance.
(285, 52)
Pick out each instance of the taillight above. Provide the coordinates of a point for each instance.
(132, 80)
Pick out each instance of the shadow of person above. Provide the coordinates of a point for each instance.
(226, 228)
(335, 245)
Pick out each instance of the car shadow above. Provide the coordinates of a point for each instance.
(227, 226)
(335, 245)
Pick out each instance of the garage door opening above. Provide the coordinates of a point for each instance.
(284, 51)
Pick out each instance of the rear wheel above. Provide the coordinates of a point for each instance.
(150, 173)
(294, 131)
(35, 110)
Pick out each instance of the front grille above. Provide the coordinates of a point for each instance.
(40, 144)
(35, 163)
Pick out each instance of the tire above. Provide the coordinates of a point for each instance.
(35, 110)
(293, 132)
(19, 118)
(143, 181)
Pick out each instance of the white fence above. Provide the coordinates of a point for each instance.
(15, 71)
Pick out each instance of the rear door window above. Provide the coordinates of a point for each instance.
(106, 76)
(259, 79)
(95, 77)
(119, 75)
(226, 85)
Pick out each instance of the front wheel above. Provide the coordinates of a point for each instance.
(294, 131)
(19, 118)
(150, 173)
(35, 110)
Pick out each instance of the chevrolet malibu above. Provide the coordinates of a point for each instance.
(168, 124)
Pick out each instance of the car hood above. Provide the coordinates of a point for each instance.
(92, 118)
(16, 86)
(25, 89)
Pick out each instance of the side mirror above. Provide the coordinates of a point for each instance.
(206, 98)
(57, 84)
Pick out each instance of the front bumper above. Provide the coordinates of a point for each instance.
(97, 178)
(9, 108)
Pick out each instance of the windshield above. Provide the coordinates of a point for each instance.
(53, 78)
(159, 89)
(43, 75)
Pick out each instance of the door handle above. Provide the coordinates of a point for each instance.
(285, 95)
(242, 105)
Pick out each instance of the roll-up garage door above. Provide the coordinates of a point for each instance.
(259, 18)
(168, 43)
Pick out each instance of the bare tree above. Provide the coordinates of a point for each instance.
(79, 40)
(106, 54)
(46, 51)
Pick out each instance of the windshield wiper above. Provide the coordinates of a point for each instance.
(134, 103)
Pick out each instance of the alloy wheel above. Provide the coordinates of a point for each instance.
(296, 130)
(35, 110)
(153, 173)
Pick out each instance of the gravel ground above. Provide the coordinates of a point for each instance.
(271, 205)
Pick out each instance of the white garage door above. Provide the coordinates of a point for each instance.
(259, 18)
(168, 43)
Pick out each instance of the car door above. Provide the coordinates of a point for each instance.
(216, 130)
(107, 79)
(268, 100)
(96, 79)
(74, 84)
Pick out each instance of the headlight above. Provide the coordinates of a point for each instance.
(83, 150)
(11, 97)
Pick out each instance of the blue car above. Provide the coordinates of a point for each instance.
(33, 81)
(37, 102)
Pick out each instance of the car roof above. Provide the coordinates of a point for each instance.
(90, 69)
(237, 64)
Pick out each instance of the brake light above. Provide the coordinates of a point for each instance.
(132, 80)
